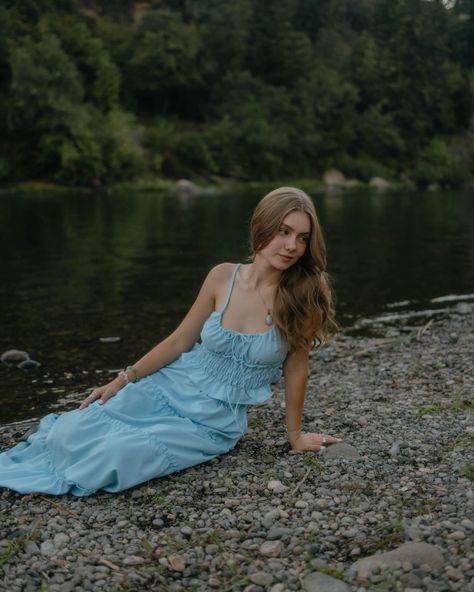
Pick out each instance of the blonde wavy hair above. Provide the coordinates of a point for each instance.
(303, 307)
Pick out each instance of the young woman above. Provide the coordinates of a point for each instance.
(185, 401)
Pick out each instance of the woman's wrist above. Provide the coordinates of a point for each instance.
(129, 374)
(293, 435)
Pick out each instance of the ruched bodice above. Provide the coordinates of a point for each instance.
(240, 366)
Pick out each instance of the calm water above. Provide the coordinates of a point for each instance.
(79, 267)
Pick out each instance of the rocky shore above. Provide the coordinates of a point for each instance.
(392, 508)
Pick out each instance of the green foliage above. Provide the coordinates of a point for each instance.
(163, 64)
(468, 471)
(459, 403)
(435, 164)
(95, 93)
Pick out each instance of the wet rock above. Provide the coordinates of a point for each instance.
(13, 357)
(28, 365)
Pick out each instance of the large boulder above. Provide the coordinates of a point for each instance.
(379, 184)
(414, 553)
(334, 178)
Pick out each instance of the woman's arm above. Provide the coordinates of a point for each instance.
(295, 370)
(181, 340)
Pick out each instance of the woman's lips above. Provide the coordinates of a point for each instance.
(286, 258)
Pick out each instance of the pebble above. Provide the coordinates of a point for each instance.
(133, 560)
(277, 486)
(261, 578)
(271, 548)
(234, 523)
(47, 548)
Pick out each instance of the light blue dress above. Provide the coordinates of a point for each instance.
(186, 413)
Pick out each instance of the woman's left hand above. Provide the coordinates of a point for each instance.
(310, 441)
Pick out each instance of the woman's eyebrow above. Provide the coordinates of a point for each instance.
(288, 227)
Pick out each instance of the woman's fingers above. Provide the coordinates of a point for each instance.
(314, 442)
(324, 438)
(93, 396)
(106, 396)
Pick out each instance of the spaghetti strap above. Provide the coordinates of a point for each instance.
(231, 286)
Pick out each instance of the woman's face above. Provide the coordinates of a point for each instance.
(290, 242)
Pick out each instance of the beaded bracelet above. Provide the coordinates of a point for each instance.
(123, 375)
(134, 371)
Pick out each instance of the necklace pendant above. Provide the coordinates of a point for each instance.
(269, 319)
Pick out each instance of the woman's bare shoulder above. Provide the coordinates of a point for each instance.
(221, 272)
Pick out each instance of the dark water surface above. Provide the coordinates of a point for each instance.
(78, 267)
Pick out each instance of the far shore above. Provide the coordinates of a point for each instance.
(335, 183)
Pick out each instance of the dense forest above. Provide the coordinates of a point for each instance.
(97, 92)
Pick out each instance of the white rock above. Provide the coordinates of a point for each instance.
(276, 486)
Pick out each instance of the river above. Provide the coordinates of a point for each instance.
(80, 267)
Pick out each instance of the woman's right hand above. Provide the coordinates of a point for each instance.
(103, 393)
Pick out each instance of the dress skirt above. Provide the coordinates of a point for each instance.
(160, 425)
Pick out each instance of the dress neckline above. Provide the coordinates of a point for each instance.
(234, 332)
(226, 304)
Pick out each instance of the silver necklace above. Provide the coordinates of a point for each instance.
(268, 316)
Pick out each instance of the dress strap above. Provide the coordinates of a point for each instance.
(231, 286)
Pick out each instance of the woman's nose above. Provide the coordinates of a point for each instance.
(290, 243)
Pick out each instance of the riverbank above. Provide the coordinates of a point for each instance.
(332, 181)
(263, 519)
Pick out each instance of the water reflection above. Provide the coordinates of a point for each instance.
(78, 267)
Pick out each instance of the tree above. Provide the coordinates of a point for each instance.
(162, 71)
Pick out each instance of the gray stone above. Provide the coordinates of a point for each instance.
(28, 365)
(47, 548)
(278, 532)
(416, 553)
(341, 450)
(271, 548)
(61, 539)
(31, 548)
(320, 582)
(133, 560)
(262, 578)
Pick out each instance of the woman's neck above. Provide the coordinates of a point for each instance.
(259, 274)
